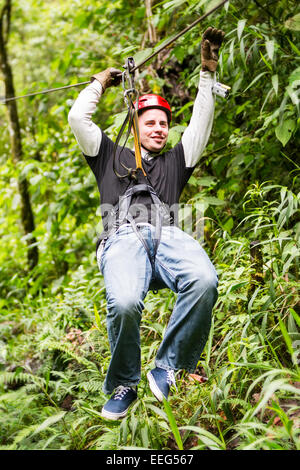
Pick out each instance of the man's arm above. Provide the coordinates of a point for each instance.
(196, 135)
(87, 133)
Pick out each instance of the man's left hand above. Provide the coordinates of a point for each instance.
(210, 45)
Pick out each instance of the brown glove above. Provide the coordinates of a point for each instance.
(109, 77)
(210, 45)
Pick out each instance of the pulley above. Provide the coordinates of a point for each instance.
(131, 96)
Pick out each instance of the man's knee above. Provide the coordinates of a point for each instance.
(205, 282)
(210, 280)
(125, 306)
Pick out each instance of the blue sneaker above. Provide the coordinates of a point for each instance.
(160, 382)
(120, 402)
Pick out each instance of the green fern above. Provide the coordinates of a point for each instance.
(64, 348)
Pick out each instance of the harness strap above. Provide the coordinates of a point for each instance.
(142, 239)
(129, 119)
(125, 215)
(137, 143)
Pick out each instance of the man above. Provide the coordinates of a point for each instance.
(137, 255)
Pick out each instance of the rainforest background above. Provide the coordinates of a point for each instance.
(54, 349)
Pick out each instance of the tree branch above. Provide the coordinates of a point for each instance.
(5, 20)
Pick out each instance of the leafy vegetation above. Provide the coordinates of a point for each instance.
(54, 349)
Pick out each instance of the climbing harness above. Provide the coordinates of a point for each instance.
(121, 214)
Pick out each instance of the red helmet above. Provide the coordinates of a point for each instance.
(151, 101)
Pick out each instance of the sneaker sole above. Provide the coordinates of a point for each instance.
(154, 388)
(115, 416)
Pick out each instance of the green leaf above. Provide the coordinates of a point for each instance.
(142, 55)
(93, 412)
(140, 12)
(207, 181)
(296, 316)
(97, 317)
(209, 439)
(27, 168)
(158, 411)
(265, 60)
(270, 46)
(293, 23)
(236, 286)
(295, 48)
(35, 179)
(180, 53)
(173, 425)
(295, 76)
(275, 83)
(145, 436)
(284, 131)
(49, 421)
(240, 28)
(173, 4)
(175, 135)
(212, 201)
(228, 225)
(254, 81)
(286, 336)
(208, 5)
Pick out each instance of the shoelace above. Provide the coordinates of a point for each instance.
(121, 392)
(171, 378)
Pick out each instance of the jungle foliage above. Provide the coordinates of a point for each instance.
(54, 349)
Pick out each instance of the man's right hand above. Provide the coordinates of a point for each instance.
(108, 77)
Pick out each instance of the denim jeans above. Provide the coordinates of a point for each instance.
(181, 265)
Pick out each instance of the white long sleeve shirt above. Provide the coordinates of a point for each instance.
(194, 138)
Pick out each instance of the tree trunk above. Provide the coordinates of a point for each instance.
(15, 136)
(151, 28)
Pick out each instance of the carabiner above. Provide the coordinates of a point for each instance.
(128, 76)
(130, 95)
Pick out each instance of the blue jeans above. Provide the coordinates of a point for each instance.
(181, 265)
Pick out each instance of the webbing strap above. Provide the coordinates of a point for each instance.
(137, 143)
(125, 201)
(158, 229)
(142, 239)
(124, 215)
(132, 121)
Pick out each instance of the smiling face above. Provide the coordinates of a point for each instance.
(154, 129)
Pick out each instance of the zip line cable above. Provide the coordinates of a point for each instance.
(188, 28)
(161, 48)
(50, 90)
